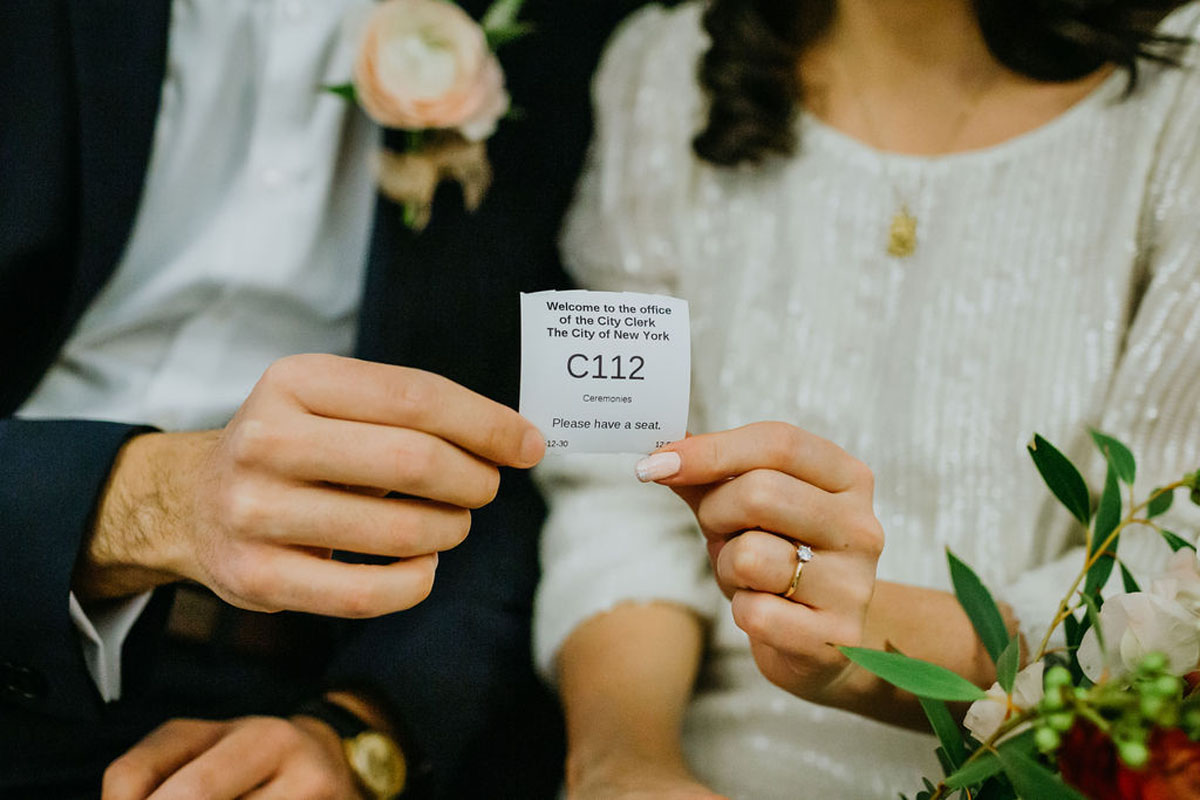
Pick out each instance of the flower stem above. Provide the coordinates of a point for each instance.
(1064, 605)
(988, 746)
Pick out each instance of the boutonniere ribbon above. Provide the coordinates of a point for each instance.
(427, 68)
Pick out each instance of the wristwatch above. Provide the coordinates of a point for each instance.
(375, 759)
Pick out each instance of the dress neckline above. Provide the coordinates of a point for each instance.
(814, 130)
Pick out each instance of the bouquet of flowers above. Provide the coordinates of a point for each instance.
(428, 69)
(1113, 716)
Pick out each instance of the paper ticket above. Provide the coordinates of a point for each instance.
(605, 372)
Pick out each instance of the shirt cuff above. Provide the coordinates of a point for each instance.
(103, 630)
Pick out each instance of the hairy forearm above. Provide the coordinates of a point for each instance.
(921, 623)
(131, 546)
(625, 679)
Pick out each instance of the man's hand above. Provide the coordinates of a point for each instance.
(760, 491)
(258, 758)
(254, 511)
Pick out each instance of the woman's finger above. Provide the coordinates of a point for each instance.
(763, 562)
(808, 637)
(713, 457)
(775, 502)
(155, 758)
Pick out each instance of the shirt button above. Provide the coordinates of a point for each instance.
(21, 682)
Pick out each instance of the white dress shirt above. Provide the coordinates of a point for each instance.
(249, 243)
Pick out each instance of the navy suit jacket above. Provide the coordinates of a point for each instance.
(79, 92)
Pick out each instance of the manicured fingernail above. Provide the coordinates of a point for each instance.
(658, 466)
(532, 447)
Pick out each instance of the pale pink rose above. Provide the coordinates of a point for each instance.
(425, 64)
(1136, 624)
(985, 716)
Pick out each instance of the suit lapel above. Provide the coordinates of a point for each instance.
(120, 50)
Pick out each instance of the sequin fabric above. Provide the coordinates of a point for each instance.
(1056, 286)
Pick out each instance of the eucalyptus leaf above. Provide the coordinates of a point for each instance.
(1006, 665)
(1062, 477)
(1108, 516)
(981, 609)
(1176, 541)
(1093, 618)
(1128, 581)
(947, 730)
(1118, 456)
(1160, 503)
(1033, 781)
(979, 770)
(919, 677)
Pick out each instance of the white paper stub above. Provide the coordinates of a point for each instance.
(605, 372)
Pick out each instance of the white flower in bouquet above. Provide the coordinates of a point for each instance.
(985, 717)
(1162, 620)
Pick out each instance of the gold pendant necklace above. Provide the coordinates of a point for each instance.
(902, 232)
(902, 235)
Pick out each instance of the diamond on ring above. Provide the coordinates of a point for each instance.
(804, 553)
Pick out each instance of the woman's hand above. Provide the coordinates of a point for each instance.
(250, 757)
(759, 492)
(646, 781)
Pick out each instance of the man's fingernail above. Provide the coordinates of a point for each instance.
(658, 466)
(532, 447)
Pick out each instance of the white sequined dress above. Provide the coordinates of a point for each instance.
(1056, 286)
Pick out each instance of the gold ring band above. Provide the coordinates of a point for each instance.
(804, 554)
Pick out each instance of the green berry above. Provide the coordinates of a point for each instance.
(1047, 739)
(1153, 662)
(1134, 754)
(1053, 700)
(1061, 721)
(1058, 676)
(1152, 706)
(1167, 685)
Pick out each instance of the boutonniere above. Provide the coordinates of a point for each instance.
(427, 68)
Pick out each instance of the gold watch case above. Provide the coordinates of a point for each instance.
(378, 763)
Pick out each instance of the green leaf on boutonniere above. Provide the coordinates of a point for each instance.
(498, 37)
(1160, 503)
(1032, 780)
(947, 730)
(912, 675)
(345, 91)
(981, 609)
(1118, 456)
(1062, 477)
(1176, 541)
(1128, 581)
(1108, 515)
(501, 14)
(1007, 664)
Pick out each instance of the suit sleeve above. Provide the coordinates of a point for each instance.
(450, 669)
(51, 476)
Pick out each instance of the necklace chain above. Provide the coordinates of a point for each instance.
(902, 232)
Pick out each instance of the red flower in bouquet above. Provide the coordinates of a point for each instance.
(1088, 761)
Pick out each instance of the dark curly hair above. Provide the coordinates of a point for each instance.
(749, 71)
